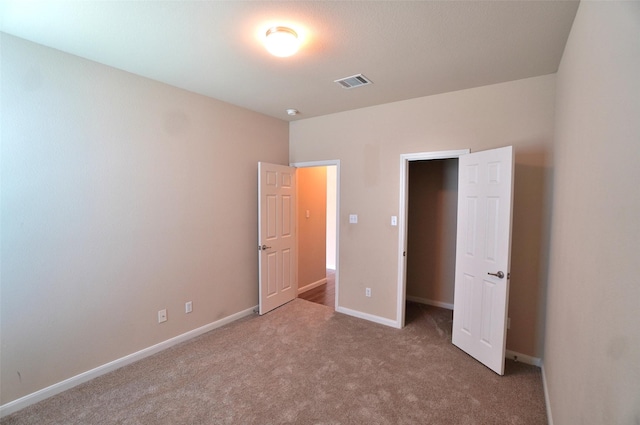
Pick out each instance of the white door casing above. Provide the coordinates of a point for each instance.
(405, 159)
(481, 296)
(276, 235)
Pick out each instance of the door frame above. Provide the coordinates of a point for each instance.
(336, 162)
(402, 219)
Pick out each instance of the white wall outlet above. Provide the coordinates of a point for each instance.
(162, 315)
(188, 307)
(353, 218)
(367, 292)
(394, 220)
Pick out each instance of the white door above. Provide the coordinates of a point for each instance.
(481, 294)
(276, 235)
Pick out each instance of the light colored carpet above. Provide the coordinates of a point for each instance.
(305, 364)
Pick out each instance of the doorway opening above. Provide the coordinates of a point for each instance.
(427, 226)
(317, 218)
(431, 231)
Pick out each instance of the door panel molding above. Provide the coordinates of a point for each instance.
(483, 261)
(276, 236)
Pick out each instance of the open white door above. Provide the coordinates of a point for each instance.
(481, 296)
(276, 235)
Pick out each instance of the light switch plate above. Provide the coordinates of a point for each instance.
(394, 220)
(162, 315)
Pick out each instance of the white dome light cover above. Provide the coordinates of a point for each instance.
(282, 41)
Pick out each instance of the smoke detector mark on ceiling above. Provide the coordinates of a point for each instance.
(354, 81)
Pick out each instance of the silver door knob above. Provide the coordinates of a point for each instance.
(499, 275)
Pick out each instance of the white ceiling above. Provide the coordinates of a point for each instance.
(407, 48)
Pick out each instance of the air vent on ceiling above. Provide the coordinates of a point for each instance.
(353, 81)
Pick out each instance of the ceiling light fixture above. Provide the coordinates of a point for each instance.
(282, 41)
(292, 112)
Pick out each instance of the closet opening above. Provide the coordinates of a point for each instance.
(432, 205)
(427, 229)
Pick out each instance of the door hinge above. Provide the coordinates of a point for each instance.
(404, 253)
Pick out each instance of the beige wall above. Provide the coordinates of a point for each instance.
(592, 344)
(312, 230)
(369, 142)
(431, 232)
(120, 196)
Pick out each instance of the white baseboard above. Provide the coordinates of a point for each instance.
(430, 302)
(14, 406)
(523, 358)
(547, 401)
(369, 317)
(312, 285)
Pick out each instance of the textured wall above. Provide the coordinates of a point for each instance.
(592, 344)
(121, 196)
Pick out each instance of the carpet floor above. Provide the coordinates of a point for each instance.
(303, 363)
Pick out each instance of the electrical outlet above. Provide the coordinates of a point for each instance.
(162, 315)
(188, 307)
(367, 292)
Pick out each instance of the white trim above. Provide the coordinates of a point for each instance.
(306, 164)
(310, 286)
(327, 163)
(21, 403)
(402, 218)
(426, 301)
(547, 400)
(523, 358)
(369, 317)
(422, 156)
